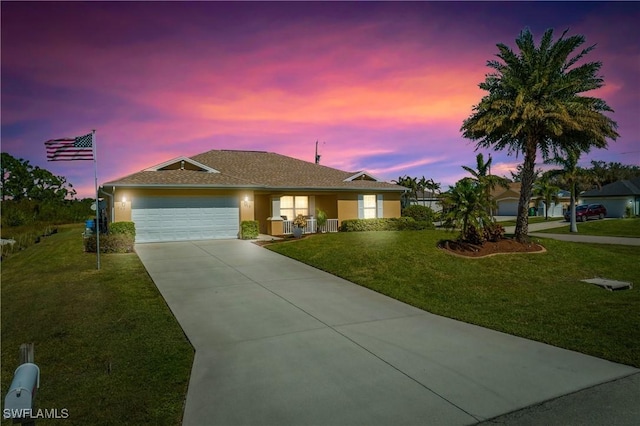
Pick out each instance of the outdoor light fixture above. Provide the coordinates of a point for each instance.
(124, 202)
(246, 201)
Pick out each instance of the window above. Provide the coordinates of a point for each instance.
(291, 206)
(369, 206)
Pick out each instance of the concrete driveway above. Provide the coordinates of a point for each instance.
(281, 343)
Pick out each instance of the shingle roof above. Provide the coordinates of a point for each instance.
(253, 169)
(616, 189)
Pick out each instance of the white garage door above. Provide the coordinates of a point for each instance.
(184, 218)
(507, 208)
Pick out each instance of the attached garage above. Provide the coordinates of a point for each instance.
(185, 218)
(507, 208)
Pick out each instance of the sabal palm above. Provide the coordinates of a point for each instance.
(534, 104)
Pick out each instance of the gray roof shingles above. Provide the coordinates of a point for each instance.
(616, 189)
(253, 169)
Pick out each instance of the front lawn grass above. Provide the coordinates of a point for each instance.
(537, 296)
(532, 219)
(108, 347)
(605, 228)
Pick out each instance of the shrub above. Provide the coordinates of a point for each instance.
(473, 235)
(123, 228)
(493, 232)
(321, 218)
(388, 224)
(110, 243)
(419, 213)
(249, 229)
(14, 218)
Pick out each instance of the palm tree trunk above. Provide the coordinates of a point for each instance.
(572, 206)
(528, 176)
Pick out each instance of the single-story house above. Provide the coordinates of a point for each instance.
(619, 198)
(428, 198)
(507, 201)
(206, 196)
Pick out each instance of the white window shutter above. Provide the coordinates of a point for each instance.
(379, 205)
(360, 206)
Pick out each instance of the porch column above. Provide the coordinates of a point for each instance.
(274, 223)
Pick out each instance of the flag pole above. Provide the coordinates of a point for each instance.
(95, 175)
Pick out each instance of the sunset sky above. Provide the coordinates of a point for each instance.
(382, 86)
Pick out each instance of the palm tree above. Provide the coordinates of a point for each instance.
(545, 189)
(534, 104)
(573, 176)
(488, 182)
(422, 187)
(465, 207)
(412, 185)
(434, 188)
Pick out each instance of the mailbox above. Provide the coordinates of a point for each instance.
(23, 387)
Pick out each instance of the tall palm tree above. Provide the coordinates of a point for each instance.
(487, 182)
(434, 188)
(422, 187)
(534, 104)
(573, 176)
(412, 185)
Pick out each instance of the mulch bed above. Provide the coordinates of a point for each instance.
(489, 248)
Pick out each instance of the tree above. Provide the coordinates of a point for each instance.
(422, 187)
(412, 185)
(572, 175)
(48, 187)
(517, 176)
(465, 207)
(20, 180)
(16, 177)
(606, 173)
(534, 104)
(545, 189)
(434, 188)
(486, 181)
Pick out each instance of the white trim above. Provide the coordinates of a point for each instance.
(379, 206)
(178, 159)
(359, 174)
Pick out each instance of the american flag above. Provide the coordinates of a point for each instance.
(70, 149)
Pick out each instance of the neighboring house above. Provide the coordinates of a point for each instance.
(429, 199)
(507, 201)
(558, 205)
(617, 197)
(207, 195)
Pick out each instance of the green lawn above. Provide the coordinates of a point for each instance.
(532, 219)
(108, 347)
(538, 296)
(609, 227)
